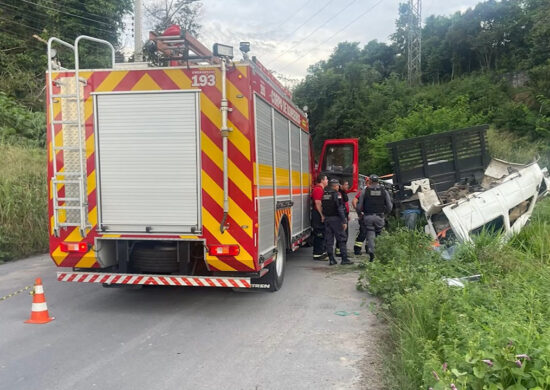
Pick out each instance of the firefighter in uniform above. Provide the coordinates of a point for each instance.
(335, 222)
(344, 192)
(373, 203)
(317, 218)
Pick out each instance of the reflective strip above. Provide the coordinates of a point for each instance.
(39, 307)
(358, 243)
(153, 279)
(39, 289)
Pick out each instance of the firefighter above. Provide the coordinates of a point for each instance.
(373, 203)
(335, 222)
(344, 192)
(318, 219)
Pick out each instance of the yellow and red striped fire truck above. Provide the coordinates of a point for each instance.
(193, 174)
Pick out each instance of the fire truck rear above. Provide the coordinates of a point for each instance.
(195, 174)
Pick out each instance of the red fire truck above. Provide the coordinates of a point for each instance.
(193, 174)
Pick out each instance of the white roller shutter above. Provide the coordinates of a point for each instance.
(148, 161)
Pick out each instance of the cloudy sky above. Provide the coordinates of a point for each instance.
(289, 35)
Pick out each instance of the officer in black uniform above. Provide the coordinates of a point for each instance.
(373, 203)
(335, 222)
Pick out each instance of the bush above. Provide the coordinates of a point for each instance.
(23, 202)
(18, 125)
(492, 334)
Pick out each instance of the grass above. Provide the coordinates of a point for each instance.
(23, 202)
(510, 147)
(492, 334)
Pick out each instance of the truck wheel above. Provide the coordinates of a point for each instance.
(276, 274)
(157, 258)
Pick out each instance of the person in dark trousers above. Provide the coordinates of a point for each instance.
(344, 192)
(317, 218)
(362, 235)
(335, 222)
(374, 201)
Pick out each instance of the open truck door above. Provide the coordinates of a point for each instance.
(340, 159)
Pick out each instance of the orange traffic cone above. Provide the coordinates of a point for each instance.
(39, 311)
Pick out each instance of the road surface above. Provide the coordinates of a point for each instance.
(190, 338)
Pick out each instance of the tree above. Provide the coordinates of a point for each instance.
(184, 13)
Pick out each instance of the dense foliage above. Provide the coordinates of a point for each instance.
(23, 201)
(491, 334)
(489, 64)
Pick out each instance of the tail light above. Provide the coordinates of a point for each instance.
(224, 250)
(76, 247)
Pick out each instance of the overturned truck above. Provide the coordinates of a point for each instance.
(451, 179)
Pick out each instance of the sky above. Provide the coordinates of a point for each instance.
(290, 35)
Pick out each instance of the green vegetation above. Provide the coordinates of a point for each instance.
(23, 201)
(489, 64)
(491, 334)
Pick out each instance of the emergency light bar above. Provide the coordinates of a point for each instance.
(220, 50)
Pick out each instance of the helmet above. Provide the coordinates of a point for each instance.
(334, 181)
(374, 178)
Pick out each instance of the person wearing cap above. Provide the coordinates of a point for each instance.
(344, 192)
(318, 219)
(373, 203)
(335, 222)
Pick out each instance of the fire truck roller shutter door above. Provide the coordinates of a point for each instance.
(148, 161)
(306, 180)
(266, 205)
(282, 158)
(296, 182)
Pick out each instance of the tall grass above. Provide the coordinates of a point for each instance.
(491, 334)
(23, 201)
(510, 147)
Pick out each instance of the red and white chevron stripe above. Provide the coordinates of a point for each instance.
(157, 280)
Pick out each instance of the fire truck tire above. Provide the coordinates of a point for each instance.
(276, 274)
(159, 258)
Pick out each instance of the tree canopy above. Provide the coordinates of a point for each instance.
(488, 64)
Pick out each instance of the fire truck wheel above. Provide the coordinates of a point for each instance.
(276, 274)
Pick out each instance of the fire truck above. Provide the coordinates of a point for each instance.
(197, 173)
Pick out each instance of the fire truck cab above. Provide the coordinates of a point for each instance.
(193, 174)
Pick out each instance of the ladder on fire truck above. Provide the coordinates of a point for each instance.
(69, 151)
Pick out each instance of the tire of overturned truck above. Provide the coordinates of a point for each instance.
(157, 258)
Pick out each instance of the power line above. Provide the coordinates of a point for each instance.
(107, 18)
(314, 31)
(305, 22)
(21, 24)
(67, 13)
(294, 14)
(333, 35)
(36, 12)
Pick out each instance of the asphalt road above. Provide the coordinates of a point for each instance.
(190, 338)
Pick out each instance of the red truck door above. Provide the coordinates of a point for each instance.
(340, 159)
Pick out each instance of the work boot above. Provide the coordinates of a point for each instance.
(371, 257)
(331, 260)
(321, 257)
(345, 260)
(356, 251)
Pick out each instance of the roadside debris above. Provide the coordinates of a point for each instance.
(450, 178)
(459, 282)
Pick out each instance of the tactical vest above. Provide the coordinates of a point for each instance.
(330, 203)
(374, 201)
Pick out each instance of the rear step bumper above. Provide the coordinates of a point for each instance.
(154, 280)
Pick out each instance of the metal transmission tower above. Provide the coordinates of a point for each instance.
(414, 42)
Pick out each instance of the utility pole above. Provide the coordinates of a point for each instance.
(414, 42)
(138, 44)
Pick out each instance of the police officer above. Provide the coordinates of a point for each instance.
(344, 192)
(373, 203)
(335, 222)
(317, 218)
